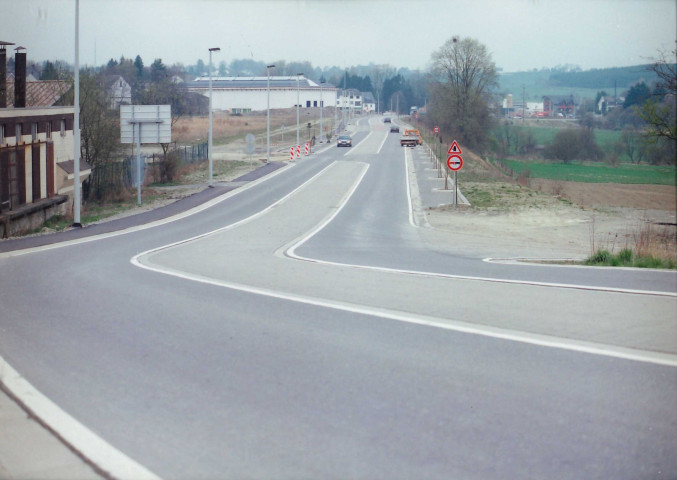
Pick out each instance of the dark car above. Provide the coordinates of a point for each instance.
(394, 129)
(344, 141)
(386, 120)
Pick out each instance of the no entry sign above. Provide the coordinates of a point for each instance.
(455, 162)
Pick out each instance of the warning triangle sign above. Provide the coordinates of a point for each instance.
(454, 148)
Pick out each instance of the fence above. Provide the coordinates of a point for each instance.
(110, 179)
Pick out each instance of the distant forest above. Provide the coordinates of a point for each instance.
(622, 77)
(573, 81)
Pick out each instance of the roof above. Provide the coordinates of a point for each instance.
(559, 98)
(111, 79)
(68, 166)
(44, 93)
(254, 82)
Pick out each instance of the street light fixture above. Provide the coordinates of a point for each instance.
(298, 105)
(321, 111)
(268, 67)
(211, 115)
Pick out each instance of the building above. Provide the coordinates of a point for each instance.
(607, 103)
(36, 149)
(559, 106)
(351, 99)
(119, 91)
(368, 102)
(248, 94)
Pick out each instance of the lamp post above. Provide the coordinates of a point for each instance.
(298, 106)
(268, 67)
(321, 111)
(76, 122)
(211, 115)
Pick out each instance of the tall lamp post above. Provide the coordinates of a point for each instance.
(268, 67)
(211, 115)
(321, 111)
(298, 106)
(76, 123)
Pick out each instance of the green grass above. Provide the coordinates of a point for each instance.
(546, 135)
(479, 198)
(596, 172)
(626, 258)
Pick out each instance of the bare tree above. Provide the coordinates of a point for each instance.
(100, 126)
(660, 111)
(463, 74)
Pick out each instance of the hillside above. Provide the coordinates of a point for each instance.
(585, 84)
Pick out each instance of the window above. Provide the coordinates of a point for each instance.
(307, 103)
(34, 131)
(18, 133)
(63, 127)
(2, 134)
(315, 103)
(48, 130)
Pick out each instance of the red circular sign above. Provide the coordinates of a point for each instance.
(436, 129)
(455, 162)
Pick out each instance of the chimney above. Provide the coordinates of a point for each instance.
(3, 73)
(20, 78)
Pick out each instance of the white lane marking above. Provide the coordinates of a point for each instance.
(135, 259)
(494, 332)
(408, 163)
(352, 149)
(452, 325)
(72, 432)
(288, 250)
(157, 223)
(382, 143)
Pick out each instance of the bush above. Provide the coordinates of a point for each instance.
(600, 257)
(574, 144)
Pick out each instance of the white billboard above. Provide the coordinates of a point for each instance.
(153, 121)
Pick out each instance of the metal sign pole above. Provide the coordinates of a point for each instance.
(138, 164)
(455, 190)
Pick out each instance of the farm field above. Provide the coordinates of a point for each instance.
(595, 172)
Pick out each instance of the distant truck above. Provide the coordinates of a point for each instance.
(410, 138)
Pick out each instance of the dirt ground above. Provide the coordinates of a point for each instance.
(574, 224)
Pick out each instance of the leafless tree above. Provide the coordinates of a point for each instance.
(660, 112)
(463, 75)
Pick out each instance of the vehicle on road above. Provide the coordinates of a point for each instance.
(386, 120)
(344, 141)
(394, 129)
(410, 138)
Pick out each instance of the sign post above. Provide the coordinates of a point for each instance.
(251, 146)
(455, 163)
(158, 121)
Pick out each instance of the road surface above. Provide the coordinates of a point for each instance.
(305, 326)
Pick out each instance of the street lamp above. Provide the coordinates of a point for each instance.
(321, 110)
(298, 106)
(76, 123)
(211, 115)
(268, 67)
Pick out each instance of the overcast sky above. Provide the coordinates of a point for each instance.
(520, 34)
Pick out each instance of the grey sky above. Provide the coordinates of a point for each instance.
(520, 34)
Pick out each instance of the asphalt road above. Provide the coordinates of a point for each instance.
(304, 327)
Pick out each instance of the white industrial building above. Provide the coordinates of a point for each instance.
(246, 94)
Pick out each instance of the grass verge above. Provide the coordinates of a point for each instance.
(627, 258)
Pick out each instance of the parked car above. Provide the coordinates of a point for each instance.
(386, 120)
(394, 129)
(344, 141)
